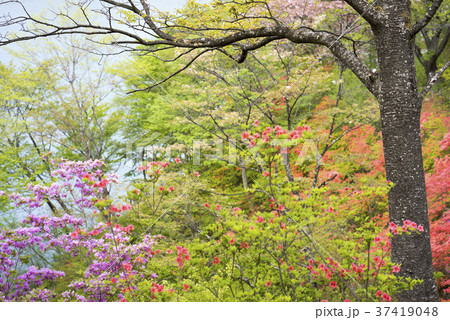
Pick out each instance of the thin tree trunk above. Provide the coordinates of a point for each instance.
(400, 108)
(244, 175)
(287, 164)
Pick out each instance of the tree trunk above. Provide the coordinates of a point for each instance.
(287, 164)
(400, 108)
(244, 174)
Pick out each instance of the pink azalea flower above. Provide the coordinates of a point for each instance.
(127, 266)
(245, 135)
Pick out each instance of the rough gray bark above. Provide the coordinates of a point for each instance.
(400, 109)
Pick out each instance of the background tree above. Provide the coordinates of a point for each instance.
(57, 104)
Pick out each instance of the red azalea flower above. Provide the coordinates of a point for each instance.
(126, 207)
(245, 135)
(127, 266)
(395, 269)
(87, 176)
(185, 287)
(333, 284)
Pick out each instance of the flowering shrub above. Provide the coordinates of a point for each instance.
(278, 252)
(113, 264)
(323, 237)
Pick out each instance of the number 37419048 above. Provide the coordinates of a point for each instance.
(407, 311)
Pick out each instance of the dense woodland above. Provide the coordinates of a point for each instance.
(143, 169)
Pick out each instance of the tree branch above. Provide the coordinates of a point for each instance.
(173, 74)
(260, 36)
(366, 11)
(430, 83)
(419, 25)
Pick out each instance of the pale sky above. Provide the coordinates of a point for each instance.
(35, 6)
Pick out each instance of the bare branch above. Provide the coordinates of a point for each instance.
(433, 80)
(419, 25)
(245, 40)
(173, 74)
